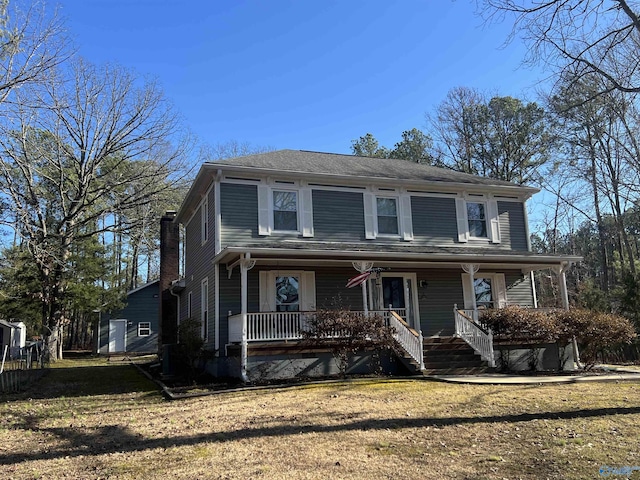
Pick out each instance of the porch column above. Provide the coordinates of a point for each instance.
(472, 269)
(364, 267)
(246, 264)
(562, 284)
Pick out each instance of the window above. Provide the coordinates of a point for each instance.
(288, 294)
(387, 211)
(285, 211)
(204, 220)
(483, 292)
(144, 329)
(289, 210)
(387, 215)
(287, 291)
(189, 304)
(488, 288)
(477, 219)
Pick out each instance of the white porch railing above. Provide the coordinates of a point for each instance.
(268, 326)
(409, 339)
(281, 326)
(468, 329)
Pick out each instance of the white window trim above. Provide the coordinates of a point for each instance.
(304, 210)
(498, 288)
(491, 219)
(403, 213)
(140, 327)
(204, 307)
(414, 308)
(204, 220)
(307, 289)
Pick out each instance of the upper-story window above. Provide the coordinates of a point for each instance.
(387, 211)
(477, 218)
(204, 221)
(285, 210)
(387, 216)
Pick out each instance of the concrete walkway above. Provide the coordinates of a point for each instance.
(617, 374)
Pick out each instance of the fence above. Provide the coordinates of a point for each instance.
(20, 366)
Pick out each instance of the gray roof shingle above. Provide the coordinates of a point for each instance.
(302, 161)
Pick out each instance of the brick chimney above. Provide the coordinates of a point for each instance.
(169, 271)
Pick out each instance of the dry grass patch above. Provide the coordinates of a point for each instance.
(365, 429)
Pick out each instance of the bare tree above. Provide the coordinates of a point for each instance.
(32, 42)
(587, 36)
(77, 153)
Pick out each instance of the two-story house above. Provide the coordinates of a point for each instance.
(270, 237)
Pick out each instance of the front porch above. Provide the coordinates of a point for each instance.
(273, 298)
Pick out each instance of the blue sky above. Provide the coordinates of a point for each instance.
(306, 74)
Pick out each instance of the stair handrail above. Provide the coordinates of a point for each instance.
(478, 338)
(409, 339)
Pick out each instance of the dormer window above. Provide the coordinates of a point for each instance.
(477, 218)
(387, 210)
(285, 211)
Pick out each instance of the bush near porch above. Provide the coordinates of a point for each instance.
(595, 332)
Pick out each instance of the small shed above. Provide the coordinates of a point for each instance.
(12, 335)
(134, 329)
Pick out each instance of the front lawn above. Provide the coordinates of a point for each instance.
(104, 420)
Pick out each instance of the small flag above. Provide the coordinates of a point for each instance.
(358, 279)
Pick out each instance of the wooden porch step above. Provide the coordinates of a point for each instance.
(451, 356)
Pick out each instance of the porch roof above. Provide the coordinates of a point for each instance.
(345, 252)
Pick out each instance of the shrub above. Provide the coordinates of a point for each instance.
(595, 332)
(190, 347)
(521, 323)
(346, 332)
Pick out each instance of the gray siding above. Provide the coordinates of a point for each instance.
(434, 220)
(198, 266)
(436, 300)
(519, 289)
(338, 216)
(239, 213)
(513, 232)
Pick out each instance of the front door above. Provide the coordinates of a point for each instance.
(399, 292)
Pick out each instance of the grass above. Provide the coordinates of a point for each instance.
(92, 419)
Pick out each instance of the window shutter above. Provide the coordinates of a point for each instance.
(306, 208)
(463, 223)
(467, 291)
(407, 221)
(494, 224)
(369, 215)
(308, 303)
(264, 210)
(500, 290)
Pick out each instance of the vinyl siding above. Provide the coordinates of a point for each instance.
(513, 232)
(239, 213)
(338, 216)
(198, 266)
(436, 300)
(434, 220)
(519, 289)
